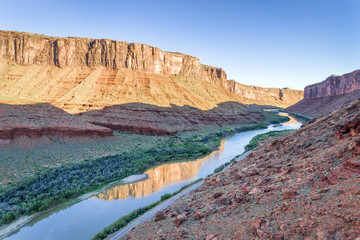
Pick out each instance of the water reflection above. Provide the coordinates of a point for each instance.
(159, 177)
(292, 120)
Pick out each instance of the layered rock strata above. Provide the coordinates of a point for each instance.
(154, 120)
(322, 98)
(334, 86)
(102, 77)
(80, 74)
(36, 120)
(279, 97)
(35, 49)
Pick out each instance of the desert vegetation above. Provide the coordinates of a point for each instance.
(262, 137)
(57, 185)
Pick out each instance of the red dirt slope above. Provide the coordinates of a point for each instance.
(155, 120)
(36, 120)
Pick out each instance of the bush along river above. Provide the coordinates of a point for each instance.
(84, 219)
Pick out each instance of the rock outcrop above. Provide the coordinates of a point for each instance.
(154, 120)
(334, 86)
(36, 120)
(304, 185)
(81, 74)
(35, 49)
(280, 97)
(322, 98)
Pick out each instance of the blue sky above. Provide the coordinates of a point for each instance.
(277, 43)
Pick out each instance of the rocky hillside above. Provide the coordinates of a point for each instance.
(301, 186)
(36, 120)
(322, 98)
(154, 120)
(280, 97)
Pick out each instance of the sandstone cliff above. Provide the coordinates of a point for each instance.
(80, 74)
(280, 97)
(334, 86)
(323, 98)
(102, 77)
(35, 49)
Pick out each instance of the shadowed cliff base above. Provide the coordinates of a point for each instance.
(154, 120)
(36, 120)
(33, 121)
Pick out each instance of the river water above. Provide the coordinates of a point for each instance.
(84, 219)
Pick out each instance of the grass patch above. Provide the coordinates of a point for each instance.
(275, 118)
(261, 137)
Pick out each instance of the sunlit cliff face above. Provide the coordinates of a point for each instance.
(158, 177)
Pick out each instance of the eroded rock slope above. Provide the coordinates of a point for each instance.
(81, 74)
(36, 120)
(154, 120)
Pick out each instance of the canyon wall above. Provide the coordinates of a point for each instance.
(334, 86)
(81, 74)
(322, 98)
(102, 78)
(280, 97)
(34, 49)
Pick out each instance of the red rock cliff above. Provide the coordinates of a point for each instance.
(34, 49)
(280, 97)
(334, 86)
(325, 97)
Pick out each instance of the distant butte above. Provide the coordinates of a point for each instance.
(329, 95)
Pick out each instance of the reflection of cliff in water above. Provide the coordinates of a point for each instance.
(158, 178)
(292, 120)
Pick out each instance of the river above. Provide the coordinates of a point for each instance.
(84, 219)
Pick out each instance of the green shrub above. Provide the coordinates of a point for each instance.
(261, 137)
(165, 196)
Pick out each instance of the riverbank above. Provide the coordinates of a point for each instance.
(304, 185)
(204, 143)
(22, 221)
(122, 222)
